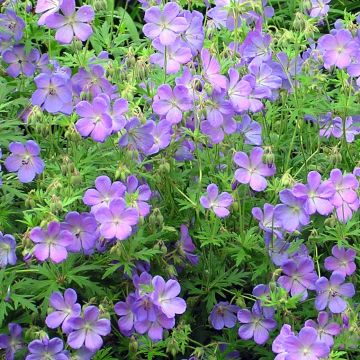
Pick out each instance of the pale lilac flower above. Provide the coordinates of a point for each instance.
(223, 315)
(11, 26)
(252, 170)
(165, 296)
(351, 130)
(218, 203)
(298, 277)
(71, 23)
(7, 250)
(47, 7)
(267, 221)
(217, 133)
(325, 330)
(116, 221)
(255, 325)
(194, 35)
(25, 160)
(88, 329)
(305, 346)
(331, 293)
(251, 130)
(291, 212)
(165, 24)
(65, 307)
(343, 261)
(256, 46)
(319, 8)
(318, 194)
(211, 71)
(162, 132)
(104, 192)
(127, 316)
(51, 243)
(137, 196)
(47, 349)
(278, 345)
(238, 91)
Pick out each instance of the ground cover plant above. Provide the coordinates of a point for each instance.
(179, 179)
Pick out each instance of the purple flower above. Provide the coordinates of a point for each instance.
(318, 194)
(11, 26)
(217, 133)
(53, 93)
(299, 277)
(256, 46)
(47, 349)
(173, 55)
(255, 325)
(262, 293)
(278, 345)
(51, 243)
(162, 132)
(19, 61)
(211, 71)
(194, 35)
(71, 23)
(223, 315)
(325, 330)
(345, 199)
(25, 160)
(291, 212)
(116, 221)
(216, 202)
(251, 130)
(267, 221)
(337, 49)
(138, 136)
(342, 261)
(319, 8)
(172, 103)
(47, 7)
(305, 346)
(127, 316)
(187, 246)
(331, 292)
(119, 108)
(104, 192)
(238, 91)
(7, 250)
(165, 24)
(138, 196)
(84, 229)
(12, 342)
(88, 330)
(252, 170)
(65, 307)
(217, 108)
(165, 296)
(351, 130)
(95, 121)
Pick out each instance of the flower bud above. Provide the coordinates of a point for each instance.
(100, 5)
(133, 345)
(287, 180)
(172, 347)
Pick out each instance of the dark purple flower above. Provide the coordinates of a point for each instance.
(11, 26)
(172, 103)
(65, 307)
(291, 212)
(211, 71)
(298, 277)
(251, 130)
(88, 329)
(325, 330)
(84, 229)
(318, 194)
(343, 261)
(255, 325)
(165, 24)
(137, 196)
(165, 296)
(51, 243)
(337, 49)
(187, 246)
(71, 23)
(218, 203)
(7, 250)
(116, 221)
(53, 93)
(95, 120)
(252, 170)
(175, 55)
(104, 192)
(25, 160)
(52, 349)
(12, 342)
(305, 346)
(345, 199)
(331, 293)
(223, 315)
(20, 62)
